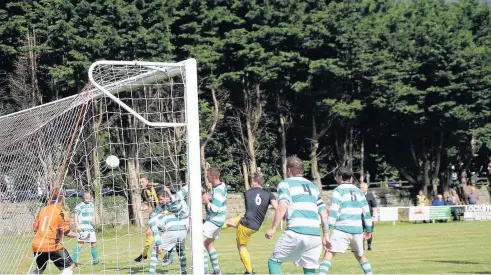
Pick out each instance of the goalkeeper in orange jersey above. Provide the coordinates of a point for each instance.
(257, 202)
(51, 224)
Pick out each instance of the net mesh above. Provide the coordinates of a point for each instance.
(67, 143)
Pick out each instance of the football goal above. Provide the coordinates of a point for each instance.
(131, 135)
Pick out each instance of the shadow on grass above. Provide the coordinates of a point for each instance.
(475, 272)
(452, 262)
(137, 270)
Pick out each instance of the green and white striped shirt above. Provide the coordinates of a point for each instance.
(217, 209)
(348, 207)
(85, 214)
(304, 205)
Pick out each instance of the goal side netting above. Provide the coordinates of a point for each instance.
(134, 122)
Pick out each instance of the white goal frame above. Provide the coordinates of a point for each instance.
(192, 130)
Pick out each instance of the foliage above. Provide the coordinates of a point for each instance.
(411, 79)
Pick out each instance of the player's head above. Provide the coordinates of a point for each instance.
(257, 180)
(344, 175)
(87, 196)
(364, 187)
(143, 182)
(420, 192)
(57, 196)
(294, 167)
(489, 167)
(213, 176)
(163, 197)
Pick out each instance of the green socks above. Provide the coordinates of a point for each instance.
(274, 267)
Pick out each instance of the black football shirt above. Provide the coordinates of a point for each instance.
(257, 201)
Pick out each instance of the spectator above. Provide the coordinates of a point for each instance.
(421, 199)
(489, 170)
(473, 197)
(372, 205)
(449, 202)
(367, 177)
(438, 201)
(455, 197)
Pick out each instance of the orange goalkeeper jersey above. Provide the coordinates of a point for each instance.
(51, 223)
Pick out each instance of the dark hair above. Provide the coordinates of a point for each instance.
(295, 165)
(345, 173)
(258, 178)
(214, 172)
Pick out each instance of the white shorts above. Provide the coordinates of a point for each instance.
(341, 240)
(90, 239)
(211, 231)
(302, 250)
(187, 223)
(171, 238)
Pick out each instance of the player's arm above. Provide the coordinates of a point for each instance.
(272, 201)
(182, 193)
(321, 209)
(65, 225)
(155, 231)
(365, 210)
(145, 202)
(279, 214)
(284, 199)
(75, 218)
(334, 208)
(35, 226)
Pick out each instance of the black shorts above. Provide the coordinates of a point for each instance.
(60, 258)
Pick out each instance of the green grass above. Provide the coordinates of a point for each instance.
(405, 248)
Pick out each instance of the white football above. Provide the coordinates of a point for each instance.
(112, 162)
(83, 235)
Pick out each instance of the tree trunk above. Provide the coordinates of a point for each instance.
(209, 136)
(250, 145)
(282, 132)
(132, 166)
(203, 165)
(246, 175)
(350, 148)
(283, 145)
(426, 165)
(313, 155)
(362, 160)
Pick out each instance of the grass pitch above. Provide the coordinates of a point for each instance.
(404, 248)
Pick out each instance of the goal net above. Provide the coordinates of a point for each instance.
(134, 129)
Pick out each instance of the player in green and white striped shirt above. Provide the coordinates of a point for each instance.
(84, 219)
(301, 201)
(179, 207)
(175, 231)
(349, 217)
(216, 209)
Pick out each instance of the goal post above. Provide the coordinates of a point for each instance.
(145, 114)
